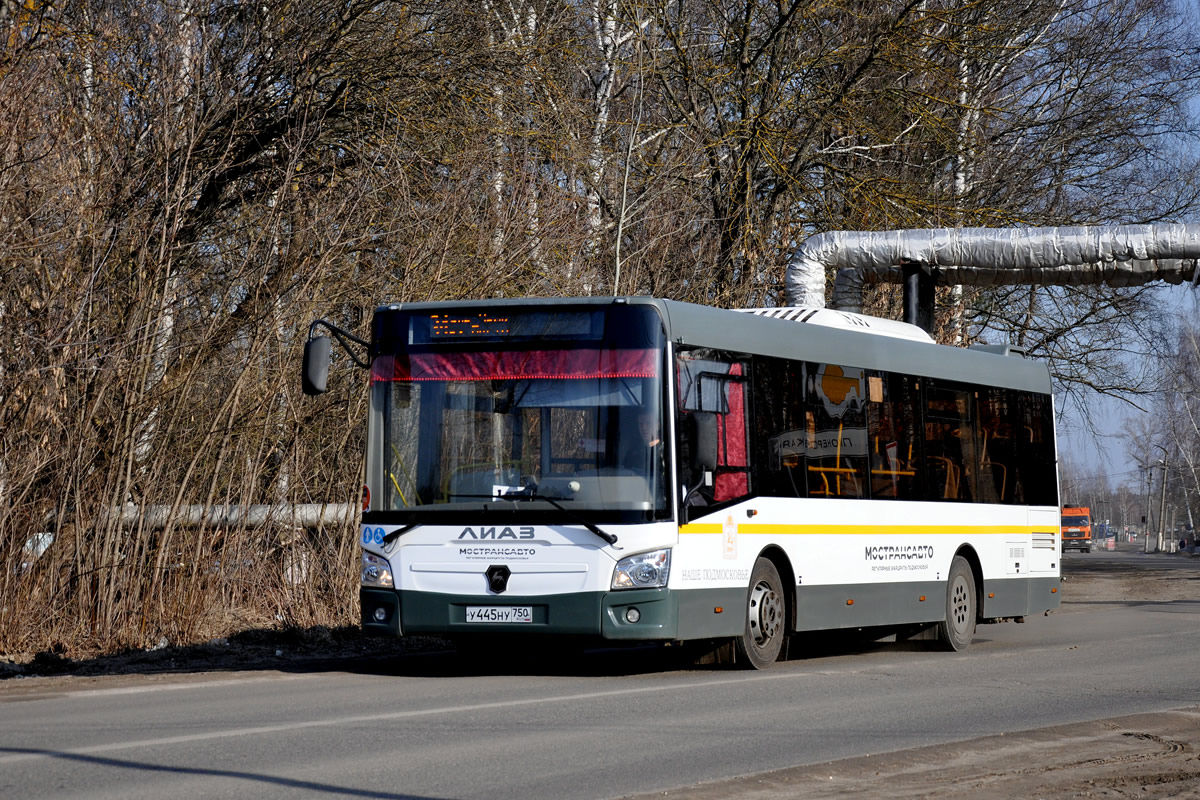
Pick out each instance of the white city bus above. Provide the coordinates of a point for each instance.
(642, 469)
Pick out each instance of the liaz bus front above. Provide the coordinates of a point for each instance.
(517, 471)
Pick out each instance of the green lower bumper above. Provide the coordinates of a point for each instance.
(661, 614)
(604, 614)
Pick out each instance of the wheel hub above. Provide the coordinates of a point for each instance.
(766, 613)
(959, 605)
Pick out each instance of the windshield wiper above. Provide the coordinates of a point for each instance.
(530, 492)
(396, 534)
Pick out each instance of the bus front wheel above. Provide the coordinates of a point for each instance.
(958, 628)
(766, 618)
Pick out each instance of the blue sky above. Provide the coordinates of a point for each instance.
(1105, 454)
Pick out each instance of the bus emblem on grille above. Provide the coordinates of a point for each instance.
(497, 576)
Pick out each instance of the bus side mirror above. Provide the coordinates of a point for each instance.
(704, 440)
(316, 365)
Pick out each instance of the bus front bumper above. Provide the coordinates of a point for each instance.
(636, 614)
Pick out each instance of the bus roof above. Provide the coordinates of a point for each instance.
(853, 340)
(845, 320)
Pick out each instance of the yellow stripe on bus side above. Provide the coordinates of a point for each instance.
(874, 530)
(702, 527)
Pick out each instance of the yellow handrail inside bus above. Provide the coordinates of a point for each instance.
(392, 475)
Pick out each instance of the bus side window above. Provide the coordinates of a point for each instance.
(892, 440)
(779, 453)
(995, 446)
(1034, 481)
(837, 435)
(950, 460)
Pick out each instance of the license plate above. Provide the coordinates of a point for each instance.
(500, 614)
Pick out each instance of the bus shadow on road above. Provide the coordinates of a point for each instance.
(345, 650)
(550, 659)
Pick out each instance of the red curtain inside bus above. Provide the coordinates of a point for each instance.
(732, 479)
(516, 364)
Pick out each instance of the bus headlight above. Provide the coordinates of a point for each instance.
(376, 571)
(644, 571)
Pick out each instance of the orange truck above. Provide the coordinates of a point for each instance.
(1077, 528)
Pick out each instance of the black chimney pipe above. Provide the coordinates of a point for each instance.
(918, 295)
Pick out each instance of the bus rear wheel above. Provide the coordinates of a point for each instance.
(958, 628)
(766, 618)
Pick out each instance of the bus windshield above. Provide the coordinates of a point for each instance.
(570, 421)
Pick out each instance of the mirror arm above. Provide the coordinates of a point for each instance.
(343, 338)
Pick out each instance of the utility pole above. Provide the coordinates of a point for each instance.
(1146, 519)
(1162, 505)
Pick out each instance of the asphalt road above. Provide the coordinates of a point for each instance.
(612, 725)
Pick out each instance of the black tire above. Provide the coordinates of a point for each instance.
(766, 618)
(956, 631)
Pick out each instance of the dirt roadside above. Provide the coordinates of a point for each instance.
(1146, 756)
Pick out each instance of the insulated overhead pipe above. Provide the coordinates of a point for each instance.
(1126, 255)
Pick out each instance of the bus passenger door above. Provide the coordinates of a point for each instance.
(713, 382)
